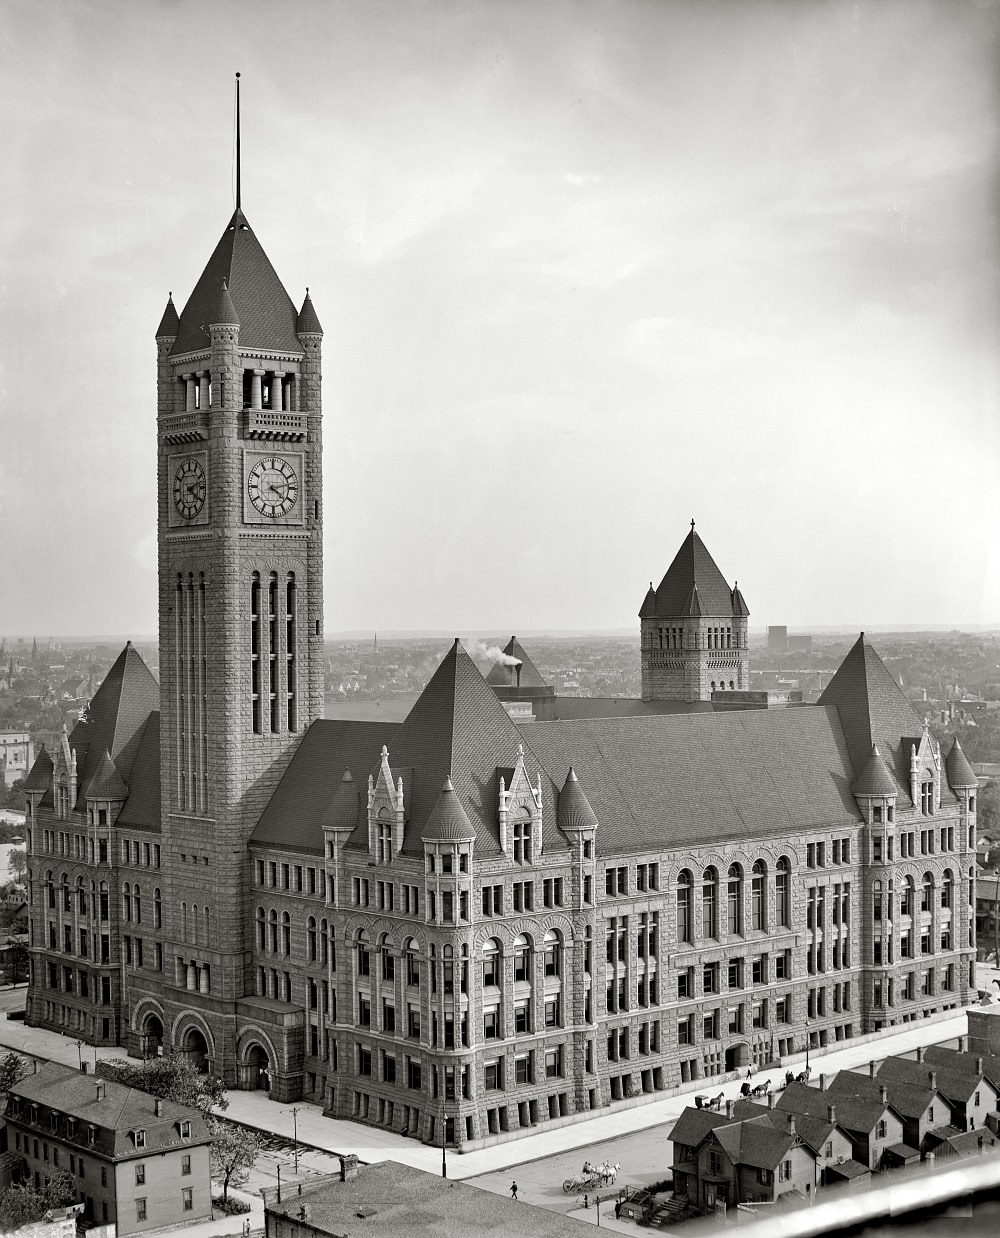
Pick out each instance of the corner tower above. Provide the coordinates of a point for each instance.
(240, 608)
(693, 630)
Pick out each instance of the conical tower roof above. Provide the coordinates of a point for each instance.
(648, 608)
(693, 568)
(266, 313)
(40, 775)
(575, 812)
(169, 322)
(875, 777)
(448, 820)
(874, 710)
(225, 312)
(960, 772)
(739, 605)
(343, 811)
(106, 783)
(506, 674)
(308, 323)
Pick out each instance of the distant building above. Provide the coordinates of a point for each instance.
(17, 755)
(138, 1163)
(777, 639)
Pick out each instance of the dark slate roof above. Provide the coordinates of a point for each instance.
(959, 770)
(873, 710)
(694, 1124)
(955, 1085)
(739, 605)
(648, 608)
(957, 1059)
(910, 1100)
(267, 316)
(142, 808)
(506, 675)
(575, 812)
(693, 570)
(342, 814)
(448, 820)
(875, 778)
(687, 780)
(106, 783)
(115, 718)
(813, 1130)
(458, 728)
(295, 812)
(858, 1114)
(617, 707)
(120, 1111)
(169, 321)
(308, 320)
(757, 1143)
(40, 775)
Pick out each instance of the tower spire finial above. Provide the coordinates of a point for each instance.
(692, 524)
(237, 141)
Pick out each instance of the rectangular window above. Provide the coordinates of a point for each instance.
(140, 1209)
(187, 1195)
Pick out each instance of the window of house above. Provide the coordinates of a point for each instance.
(186, 1163)
(140, 1175)
(140, 1209)
(187, 1196)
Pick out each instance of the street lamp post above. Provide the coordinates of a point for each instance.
(807, 1045)
(444, 1142)
(79, 1054)
(295, 1136)
(279, 1182)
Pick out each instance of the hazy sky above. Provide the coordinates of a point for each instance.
(586, 270)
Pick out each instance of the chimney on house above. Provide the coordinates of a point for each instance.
(730, 1108)
(979, 1065)
(84, 1068)
(822, 1082)
(883, 1094)
(100, 1091)
(932, 1078)
(961, 1044)
(920, 1053)
(791, 1124)
(770, 1100)
(158, 1107)
(348, 1167)
(871, 1070)
(517, 672)
(831, 1113)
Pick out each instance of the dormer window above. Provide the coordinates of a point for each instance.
(185, 1130)
(446, 862)
(384, 843)
(877, 814)
(522, 841)
(140, 1138)
(927, 798)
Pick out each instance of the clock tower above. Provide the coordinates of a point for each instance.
(241, 613)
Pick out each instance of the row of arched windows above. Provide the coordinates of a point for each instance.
(274, 933)
(718, 918)
(521, 950)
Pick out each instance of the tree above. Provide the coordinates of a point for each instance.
(989, 809)
(13, 1069)
(18, 866)
(22, 1205)
(234, 1151)
(171, 1078)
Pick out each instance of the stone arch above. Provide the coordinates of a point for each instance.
(192, 1038)
(148, 1023)
(256, 1060)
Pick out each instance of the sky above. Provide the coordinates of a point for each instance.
(586, 271)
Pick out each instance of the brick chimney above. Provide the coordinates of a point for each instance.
(730, 1108)
(979, 1065)
(871, 1070)
(770, 1100)
(348, 1167)
(791, 1124)
(961, 1044)
(920, 1053)
(831, 1113)
(932, 1079)
(100, 1091)
(883, 1094)
(158, 1106)
(822, 1082)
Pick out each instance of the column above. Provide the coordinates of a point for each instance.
(203, 979)
(192, 977)
(292, 398)
(204, 398)
(278, 391)
(189, 391)
(255, 395)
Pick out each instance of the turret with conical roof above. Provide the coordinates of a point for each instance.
(693, 630)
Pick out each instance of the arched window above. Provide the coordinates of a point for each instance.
(363, 953)
(782, 893)
(104, 897)
(327, 946)
(947, 883)
(67, 905)
(261, 929)
(388, 959)
(272, 930)
(50, 886)
(491, 964)
(411, 954)
(758, 885)
(734, 899)
(522, 958)
(311, 939)
(184, 921)
(126, 901)
(685, 885)
(81, 897)
(710, 902)
(927, 892)
(208, 927)
(194, 922)
(907, 897)
(286, 933)
(137, 904)
(553, 953)
(157, 909)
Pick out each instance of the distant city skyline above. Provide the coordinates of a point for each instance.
(585, 272)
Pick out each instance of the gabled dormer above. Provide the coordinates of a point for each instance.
(386, 812)
(519, 814)
(876, 792)
(65, 787)
(925, 774)
(105, 794)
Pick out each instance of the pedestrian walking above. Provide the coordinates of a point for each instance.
(513, 1190)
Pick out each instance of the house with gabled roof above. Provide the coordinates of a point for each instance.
(970, 1093)
(137, 1162)
(920, 1105)
(871, 1124)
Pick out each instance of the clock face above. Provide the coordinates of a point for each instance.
(189, 487)
(272, 486)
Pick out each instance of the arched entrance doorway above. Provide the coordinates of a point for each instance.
(258, 1070)
(738, 1056)
(151, 1036)
(195, 1049)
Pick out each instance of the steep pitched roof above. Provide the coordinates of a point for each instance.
(266, 314)
(142, 808)
(342, 813)
(960, 1060)
(313, 780)
(169, 321)
(458, 728)
(688, 779)
(858, 1114)
(116, 718)
(106, 783)
(692, 572)
(506, 674)
(40, 774)
(955, 1085)
(575, 812)
(225, 311)
(873, 710)
(958, 769)
(910, 1100)
(308, 321)
(875, 778)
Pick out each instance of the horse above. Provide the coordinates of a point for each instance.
(716, 1101)
(761, 1089)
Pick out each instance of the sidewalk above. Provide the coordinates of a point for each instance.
(325, 1136)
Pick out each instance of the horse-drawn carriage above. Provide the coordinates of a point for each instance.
(592, 1177)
